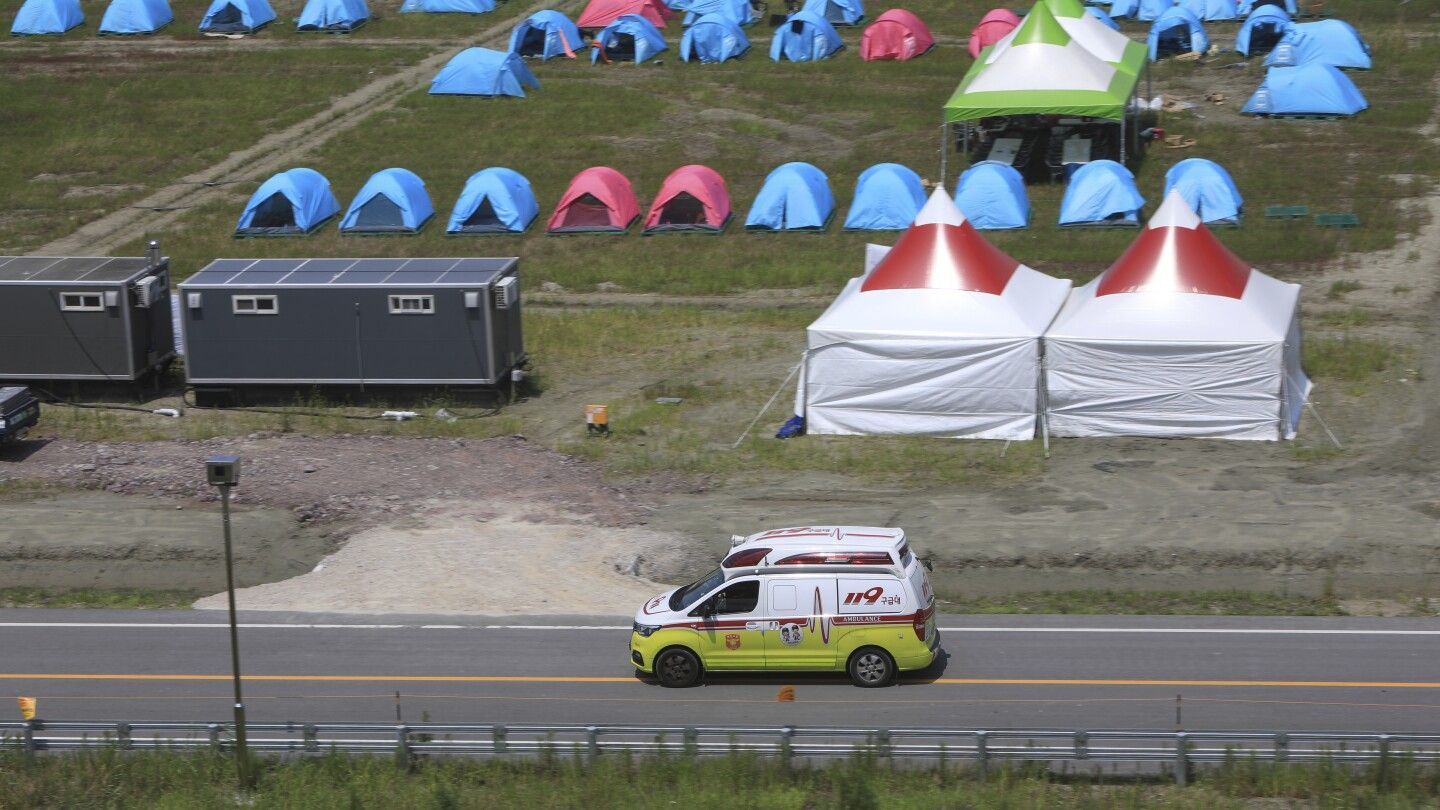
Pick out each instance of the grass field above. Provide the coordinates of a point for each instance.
(89, 131)
(741, 117)
(114, 779)
(748, 116)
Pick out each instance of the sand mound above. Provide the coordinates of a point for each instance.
(460, 559)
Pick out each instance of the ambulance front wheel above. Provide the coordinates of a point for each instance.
(677, 668)
(871, 667)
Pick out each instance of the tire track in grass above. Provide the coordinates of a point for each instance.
(271, 153)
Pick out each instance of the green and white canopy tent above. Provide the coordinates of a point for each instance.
(1096, 37)
(1066, 63)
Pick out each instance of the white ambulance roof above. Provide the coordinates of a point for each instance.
(797, 540)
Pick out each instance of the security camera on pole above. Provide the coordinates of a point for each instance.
(223, 472)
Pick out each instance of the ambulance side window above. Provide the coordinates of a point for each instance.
(741, 597)
(783, 599)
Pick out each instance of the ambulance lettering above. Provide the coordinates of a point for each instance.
(870, 596)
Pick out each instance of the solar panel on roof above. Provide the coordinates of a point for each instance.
(310, 272)
(61, 269)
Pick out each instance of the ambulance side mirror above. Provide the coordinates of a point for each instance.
(929, 566)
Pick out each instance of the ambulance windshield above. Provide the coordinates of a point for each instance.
(690, 594)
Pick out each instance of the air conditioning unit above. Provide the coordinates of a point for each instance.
(148, 290)
(506, 292)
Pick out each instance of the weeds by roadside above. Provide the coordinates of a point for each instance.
(120, 599)
(115, 779)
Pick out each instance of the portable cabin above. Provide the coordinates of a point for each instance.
(86, 318)
(346, 322)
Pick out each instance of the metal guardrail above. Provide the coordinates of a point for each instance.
(1178, 751)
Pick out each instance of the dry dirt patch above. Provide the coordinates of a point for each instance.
(465, 558)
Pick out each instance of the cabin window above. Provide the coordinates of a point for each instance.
(412, 305)
(255, 304)
(82, 302)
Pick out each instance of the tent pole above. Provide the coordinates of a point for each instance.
(1123, 116)
(1042, 397)
(944, 145)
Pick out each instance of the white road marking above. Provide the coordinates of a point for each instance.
(1241, 631)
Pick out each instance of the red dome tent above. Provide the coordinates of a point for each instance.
(897, 34)
(692, 198)
(993, 27)
(599, 200)
(600, 13)
(1179, 337)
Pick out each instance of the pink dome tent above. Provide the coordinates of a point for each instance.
(600, 13)
(897, 34)
(693, 198)
(599, 200)
(992, 28)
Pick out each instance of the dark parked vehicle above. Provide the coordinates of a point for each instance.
(19, 410)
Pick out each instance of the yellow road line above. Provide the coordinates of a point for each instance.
(71, 676)
(68, 676)
(1118, 682)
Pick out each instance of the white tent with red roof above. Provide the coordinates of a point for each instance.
(941, 337)
(1179, 337)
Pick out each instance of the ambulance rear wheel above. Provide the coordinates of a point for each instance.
(677, 668)
(871, 667)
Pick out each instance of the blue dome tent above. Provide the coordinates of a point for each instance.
(333, 15)
(992, 196)
(546, 34)
(391, 201)
(1331, 42)
(804, 37)
(290, 203)
(483, 72)
(1250, 6)
(1100, 15)
(1177, 31)
(1212, 10)
(887, 198)
(630, 38)
(236, 16)
(136, 17)
(1101, 192)
(1208, 189)
(737, 11)
(836, 12)
(1140, 9)
(40, 17)
(495, 200)
(447, 6)
(795, 197)
(1313, 88)
(713, 38)
(1262, 29)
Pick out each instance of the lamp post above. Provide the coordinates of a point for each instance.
(223, 472)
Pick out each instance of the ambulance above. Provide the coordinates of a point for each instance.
(806, 599)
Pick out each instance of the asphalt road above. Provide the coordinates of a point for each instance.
(1343, 674)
